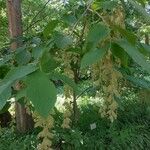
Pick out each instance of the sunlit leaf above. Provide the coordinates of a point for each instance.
(50, 27)
(41, 92)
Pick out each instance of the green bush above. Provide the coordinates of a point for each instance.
(130, 131)
(10, 140)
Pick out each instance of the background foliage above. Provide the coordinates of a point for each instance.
(95, 53)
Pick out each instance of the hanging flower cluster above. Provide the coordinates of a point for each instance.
(105, 75)
(46, 124)
(66, 115)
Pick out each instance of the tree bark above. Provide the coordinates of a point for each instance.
(15, 30)
(15, 22)
(147, 38)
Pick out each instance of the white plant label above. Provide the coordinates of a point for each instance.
(93, 126)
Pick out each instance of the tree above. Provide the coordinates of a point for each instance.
(23, 120)
(87, 36)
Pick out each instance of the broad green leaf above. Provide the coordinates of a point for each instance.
(65, 79)
(50, 27)
(139, 82)
(5, 93)
(109, 5)
(70, 19)
(20, 94)
(129, 36)
(140, 10)
(19, 72)
(135, 55)
(41, 92)
(47, 63)
(23, 57)
(11, 77)
(63, 41)
(20, 49)
(37, 52)
(97, 33)
(120, 53)
(92, 57)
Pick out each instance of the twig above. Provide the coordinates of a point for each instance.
(101, 17)
(82, 15)
(39, 12)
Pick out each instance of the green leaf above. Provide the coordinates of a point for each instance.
(5, 93)
(109, 5)
(11, 77)
(70, 19)
(139, 82)
(5, 108)
(65, 79)
(97, 33)
(92, 57)
(146, 47)
(37, 52)
(135, 55)
(129, 36)
(20, 94)
(96, 6)
(140, 10)
(47, 63)
(20, 49)
(4, 70)
(143, 49)
(142, 2)
(23, 57)
(120, 53)
(50, 27)
(63, 41)
(36, 40)
(19, 72)
(41, 92)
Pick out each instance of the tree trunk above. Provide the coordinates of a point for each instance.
(15, 30)
(147, 38)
